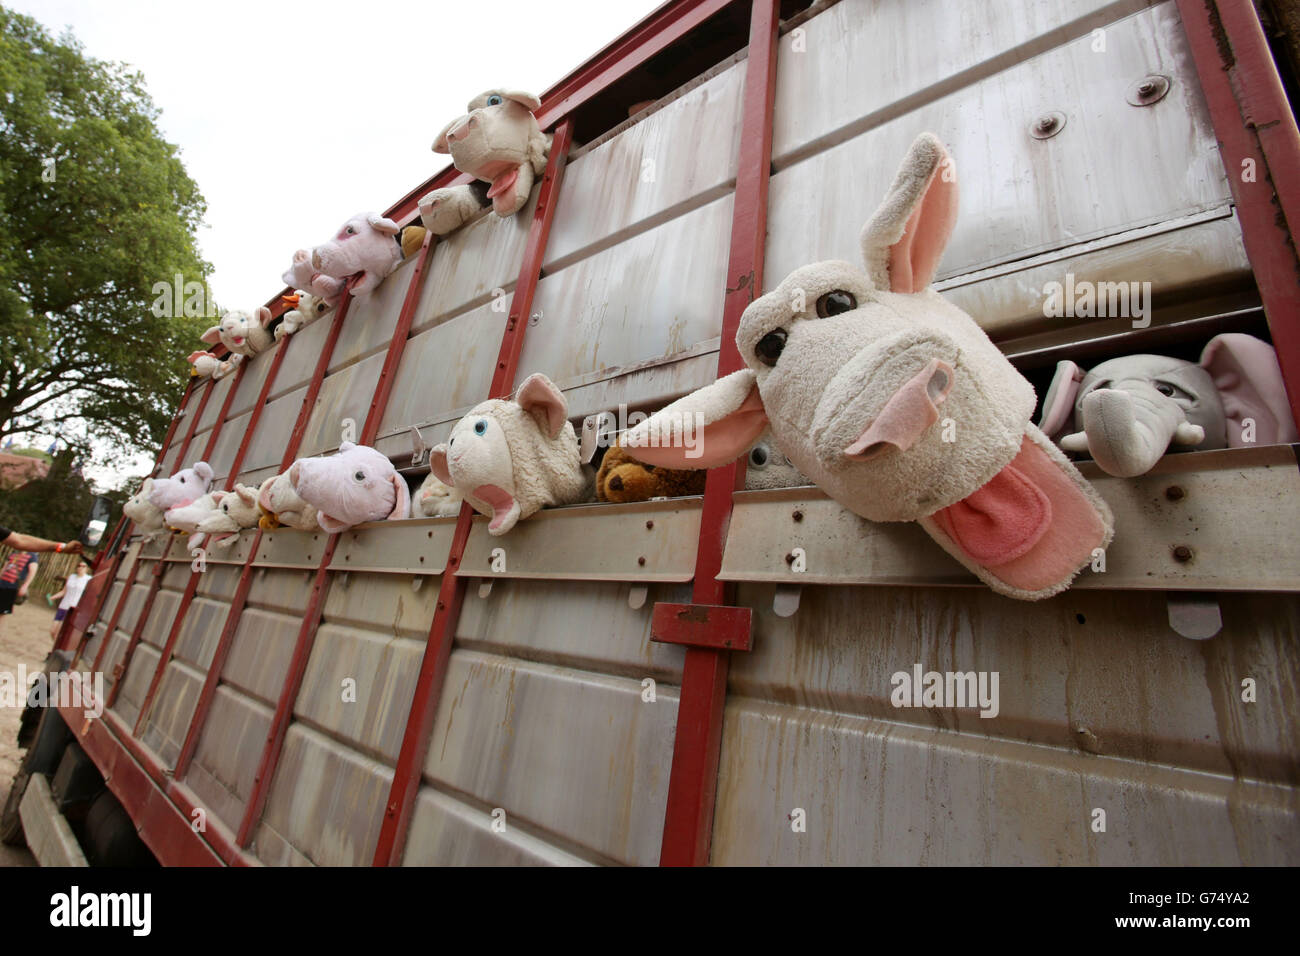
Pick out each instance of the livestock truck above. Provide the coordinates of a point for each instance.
(715, 678)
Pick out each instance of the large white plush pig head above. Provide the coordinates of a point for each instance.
(511, 458)
(896, 403)
(358, 484)
(365, 250)
(183, 488)
(245, 333)
(498, 140)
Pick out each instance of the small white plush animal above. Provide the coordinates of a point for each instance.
(280, 505)
(437, 499)
(511, 458)
(245, 333)
(307, 308)
(235, 512)
(147, 517)
(207, 365)
(187, 485)
(768, 467)
(303, 275)
(185, 519)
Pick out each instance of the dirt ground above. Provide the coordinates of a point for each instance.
(24, 639)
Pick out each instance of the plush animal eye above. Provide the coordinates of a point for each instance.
(648, 467)
(833, 303)
(182, 479)
(1171, 391)
(770, 346)
(351, 230)
(494, 100)
(480, 427)
(226, 508)
(360, 476)
(758, 456)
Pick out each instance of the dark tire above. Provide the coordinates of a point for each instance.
(111, 838)
(43, 756)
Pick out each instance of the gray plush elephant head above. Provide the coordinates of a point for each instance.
(1127, 412)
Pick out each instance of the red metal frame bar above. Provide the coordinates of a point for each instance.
(703, 625)
(692, 786)
(156, 584)
(451, 589)
(192, 586)
(315, 605)
(1255, 127)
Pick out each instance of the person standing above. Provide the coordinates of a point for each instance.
(19, 569)
(69, 595)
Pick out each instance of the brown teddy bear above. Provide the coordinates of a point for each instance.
(622, 478)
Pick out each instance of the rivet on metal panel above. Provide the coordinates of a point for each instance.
(1195, 616)
(484, 587)
(1182, 553)
(650, 525)
(797, 515)
(1175, 493)
(1047, 125)
(786, 600)
(1148, 90)
(636, 596)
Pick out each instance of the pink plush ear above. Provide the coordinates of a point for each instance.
(246, 494)
(402, 506)
(263, 316)
(332, 525)
(540, 398)
(1058, 406)
(709, 427)
(904, 241)
(1246, 373)
(212, 336)
(381, 224)
(438, 463)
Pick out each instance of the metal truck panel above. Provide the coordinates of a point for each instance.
(221, 775)
(169, 716)
(424, 397)
(326, 801)
(580, 755)
(879, 792)
(584, 626)
(212, 411)
(371, 320)
(1107, 171)
(614, 310)
(344, 395)
(447, 832)
(135, 682)
(644, 175)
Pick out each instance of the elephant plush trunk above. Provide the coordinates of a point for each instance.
(1129, 429)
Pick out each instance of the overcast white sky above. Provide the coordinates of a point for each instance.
(291, 117)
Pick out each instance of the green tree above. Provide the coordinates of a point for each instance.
(55, 506)
(96, 209)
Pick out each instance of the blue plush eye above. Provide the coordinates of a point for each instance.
(480, 427)
(494, 100)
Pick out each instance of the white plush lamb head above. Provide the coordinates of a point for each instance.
(896, 403)
(498, 140)
(147, 517)
(510, 458)
(180, 489)
(243, 332)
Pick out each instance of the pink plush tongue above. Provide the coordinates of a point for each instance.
(498, 500)
(999, 522)
(503, 183)
(906, 416)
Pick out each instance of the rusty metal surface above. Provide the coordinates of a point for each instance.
(645, 541)
(1235, 515)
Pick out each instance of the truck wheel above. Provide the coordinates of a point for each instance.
(111, 838)
(42, 756)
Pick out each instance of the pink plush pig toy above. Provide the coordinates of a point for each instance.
(358, 484)
(182, 488)
(366, 249)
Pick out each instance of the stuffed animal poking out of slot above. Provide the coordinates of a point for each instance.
(147, 517)
(235, 511)
(498, 141)
(357, 485)
(281, 506)
(512, 457)
(243, 333)
(186, 486)
(304, 308)
(896, 403)
(366, 250)
(622, 478)
(437, 499)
